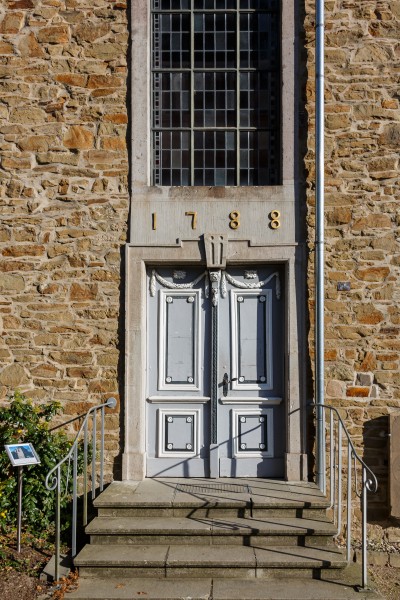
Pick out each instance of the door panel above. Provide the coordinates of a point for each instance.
(249, 354)
(251, 426)
(178, 375)
(179, 339)
(251, 340)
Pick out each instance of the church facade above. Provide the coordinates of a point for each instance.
(157, 238)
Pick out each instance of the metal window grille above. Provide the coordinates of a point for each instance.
(216, 92)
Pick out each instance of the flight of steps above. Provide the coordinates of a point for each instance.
(178, 539)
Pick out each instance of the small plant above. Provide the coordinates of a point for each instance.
(22, 421)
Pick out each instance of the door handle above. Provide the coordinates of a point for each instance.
(225, 383)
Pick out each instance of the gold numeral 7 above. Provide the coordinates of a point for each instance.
(194, 218)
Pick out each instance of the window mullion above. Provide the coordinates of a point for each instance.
(191, 93)
(237, 92)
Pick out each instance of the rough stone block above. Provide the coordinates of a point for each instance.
(394, 560)
(11, 283)
(78, 138)
(83, 291)
(365, 379)
(13, 376)
(357, 392)
(12, 22)
(55, 34)
(368, 314)
(373, 273)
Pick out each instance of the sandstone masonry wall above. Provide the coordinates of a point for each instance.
(362, 218)
(64, 200)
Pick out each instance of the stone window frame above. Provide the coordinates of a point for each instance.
(141, 97)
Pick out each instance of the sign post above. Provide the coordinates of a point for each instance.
(21, 455)
(19, 523)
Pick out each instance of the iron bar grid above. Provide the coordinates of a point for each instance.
(216, 69)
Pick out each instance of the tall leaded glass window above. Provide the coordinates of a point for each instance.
(216, 92)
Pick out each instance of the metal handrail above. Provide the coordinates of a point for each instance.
(53, 477)
(369, 483)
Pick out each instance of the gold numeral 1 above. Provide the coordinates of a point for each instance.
(275, 217)
(234, 217)
(194, 218)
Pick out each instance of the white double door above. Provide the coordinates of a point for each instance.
(215, 402)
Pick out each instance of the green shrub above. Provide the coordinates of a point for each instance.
(22, 421)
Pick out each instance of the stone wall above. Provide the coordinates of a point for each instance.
(64, 200)
(362, 218)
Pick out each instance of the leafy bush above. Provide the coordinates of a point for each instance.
(22, 421)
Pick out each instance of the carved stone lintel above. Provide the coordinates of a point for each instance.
(216, 249)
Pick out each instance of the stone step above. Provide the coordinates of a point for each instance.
(183, 561)
(200, 498)
(207, 510)
(212, 531)
(237, 539)
(217, 589)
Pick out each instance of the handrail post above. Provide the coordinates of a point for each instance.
(349, 511)
(74, 500)
(85, 476)
(102, 450)
(94, 455)
(58, 525)
(332, 451)
(339, 503)
(364, 528)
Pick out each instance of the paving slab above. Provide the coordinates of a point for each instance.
(211, 556)
(299, 557)
(149, 525)
(217, 589)
(134, 493)
(289, 589)
(201, 497)
(271, 526)
(49, 570)
(121, 556)
(151, 589)
(117, 493)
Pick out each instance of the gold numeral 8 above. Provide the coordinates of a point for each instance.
(234, 222)
(275, 217)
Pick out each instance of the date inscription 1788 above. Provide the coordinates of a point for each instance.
(274, 219)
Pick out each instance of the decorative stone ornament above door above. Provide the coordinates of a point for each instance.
(215, 248)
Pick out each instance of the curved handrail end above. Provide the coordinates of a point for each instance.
(111, 403)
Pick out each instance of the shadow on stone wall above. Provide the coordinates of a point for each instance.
(117, 467)
(376, 456)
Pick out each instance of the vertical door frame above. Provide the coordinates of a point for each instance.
(138, 258)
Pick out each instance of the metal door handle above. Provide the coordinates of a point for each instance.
(225, 383)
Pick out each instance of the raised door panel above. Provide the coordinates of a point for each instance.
(251, 426)
(177, 402)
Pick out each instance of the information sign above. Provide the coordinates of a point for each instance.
(22, 454)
